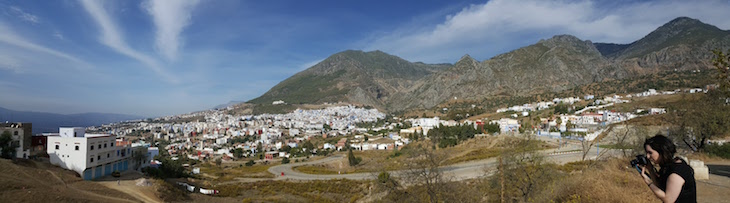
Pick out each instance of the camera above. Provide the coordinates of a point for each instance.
(640, 160)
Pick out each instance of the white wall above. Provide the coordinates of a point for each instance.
(71, 131)
(78, 160)
(66, 156)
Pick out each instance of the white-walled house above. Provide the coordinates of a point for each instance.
(90, 155)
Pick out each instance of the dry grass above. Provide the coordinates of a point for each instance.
(171, 193)
(477, 154)
(306, 191)
(318, 169)
(230, 172)
(31, 181)
(372, 161)
(609, 181)
(378, 160)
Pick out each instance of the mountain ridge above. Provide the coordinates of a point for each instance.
(555, 64)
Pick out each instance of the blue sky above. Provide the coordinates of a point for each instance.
(160, 57)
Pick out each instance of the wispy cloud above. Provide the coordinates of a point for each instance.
(309, 64)
(8, 37)
(170, 17)
(10, 63)
(58, 35)
(496, 27)
(25, 15)
(111, 37)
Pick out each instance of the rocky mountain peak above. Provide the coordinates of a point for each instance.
(466, 58)
(562, 40)
(682, 31)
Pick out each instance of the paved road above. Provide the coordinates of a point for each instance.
(460, 171)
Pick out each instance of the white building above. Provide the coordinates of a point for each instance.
(508, 125)
(90, 155)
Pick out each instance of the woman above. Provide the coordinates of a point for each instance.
(675, 181)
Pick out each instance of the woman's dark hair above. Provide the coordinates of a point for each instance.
(663, 146)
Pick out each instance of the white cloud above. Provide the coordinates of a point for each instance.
(170, 17)
(112, 38)
(500, 25)
(24, 15)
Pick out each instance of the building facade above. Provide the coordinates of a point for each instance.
(21, 136)
(90, 155)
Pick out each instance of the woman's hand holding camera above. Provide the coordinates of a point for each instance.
(646, 177)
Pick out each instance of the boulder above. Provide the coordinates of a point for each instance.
(701, 170)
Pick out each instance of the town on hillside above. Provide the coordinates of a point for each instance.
(99, 151)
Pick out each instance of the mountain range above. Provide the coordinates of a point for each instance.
(49, 122)
(562, 62)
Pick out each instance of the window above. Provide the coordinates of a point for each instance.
(74, 134)
(117, 152)
(98, 157)
(92, 159)
(107, 155)
(104, 145)
(92, 147)
(77, 148)
(57, 147)
(16, 133)
(99, 146)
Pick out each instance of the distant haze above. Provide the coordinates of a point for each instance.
(49, 122)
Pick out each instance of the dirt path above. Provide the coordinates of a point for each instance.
(142, 193)
(129, 186)
(89, 193)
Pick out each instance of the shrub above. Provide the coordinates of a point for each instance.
(250, 163)
(719, 150)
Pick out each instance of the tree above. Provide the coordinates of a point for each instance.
(352, 159)
(286, 148)
(424, 170)
(8, 145)
(285, 160)
(308, 145)
(722, 64)
(587, 145)
(492, 128)
(569, 125)
(260, 150)
(701, 120)
(561, 108)
(139, 157)
(238, 153)
(707, 117)
(522, 173)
